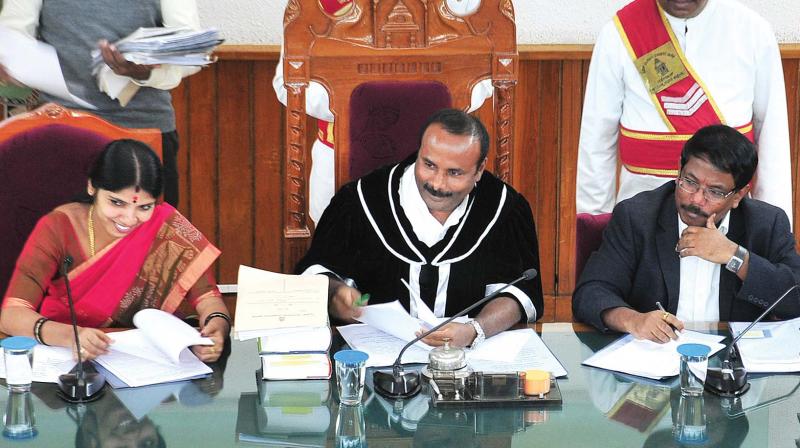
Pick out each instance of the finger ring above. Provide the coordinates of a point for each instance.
(665, 316)
(213, 350)
(83, 351)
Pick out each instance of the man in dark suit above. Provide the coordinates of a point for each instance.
(698, 246)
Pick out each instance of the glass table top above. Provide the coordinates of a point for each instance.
(234, 408)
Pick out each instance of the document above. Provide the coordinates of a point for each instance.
(769, 347)
(509, 351)
(650, 359)
(268, 301)
(35, 64)
(156, 352)
(48, 363)
(393, 319)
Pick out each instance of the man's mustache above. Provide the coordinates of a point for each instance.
(437, 193)
(691, 208)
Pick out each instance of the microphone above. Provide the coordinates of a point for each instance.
(401, 384)
(78, 387)
(731, 380)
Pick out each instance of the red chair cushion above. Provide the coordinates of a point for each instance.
(385, 119)
(41, 169)
(588, 236)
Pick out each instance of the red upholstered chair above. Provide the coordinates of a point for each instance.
(45, 156)
(387, 65)
(588, 236)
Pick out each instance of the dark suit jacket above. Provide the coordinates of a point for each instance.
(637, 266)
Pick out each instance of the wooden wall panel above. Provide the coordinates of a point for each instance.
(231, 159)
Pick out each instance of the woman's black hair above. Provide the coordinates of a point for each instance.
(127, 163)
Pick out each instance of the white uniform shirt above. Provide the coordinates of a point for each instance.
(698, 299)
(735, 53)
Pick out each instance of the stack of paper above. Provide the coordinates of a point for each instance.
(175, 46)
(388, 327)
(649, 359)
(156, 352)
(289, 316)
(769, 346)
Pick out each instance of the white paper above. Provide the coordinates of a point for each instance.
(267, 300)
(509, 351)
(35, 64)
(650, 359)
(156, 352)
(776, 350)
(382, 348)
(48, 363)
(393, 319)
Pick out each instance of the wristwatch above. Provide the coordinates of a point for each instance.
(737, 260)
(479, 335)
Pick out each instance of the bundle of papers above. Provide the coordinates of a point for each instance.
(769, 346)
(175, 46)
(388, 327)
(649, 359)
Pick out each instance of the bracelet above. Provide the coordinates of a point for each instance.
(221, 316)
(37, 330)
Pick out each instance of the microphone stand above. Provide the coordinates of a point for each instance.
(402, 384)
(730, 381)
(79, 387)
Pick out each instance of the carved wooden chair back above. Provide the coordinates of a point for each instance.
(344, 44)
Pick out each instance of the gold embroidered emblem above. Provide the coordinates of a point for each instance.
(661, 68)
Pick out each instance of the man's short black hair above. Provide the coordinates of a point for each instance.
(726, 149)
(458, 122)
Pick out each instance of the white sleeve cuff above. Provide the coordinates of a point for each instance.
(522, 298)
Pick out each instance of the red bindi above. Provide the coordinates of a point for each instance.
(135, 199)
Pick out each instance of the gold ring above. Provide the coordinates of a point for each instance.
(665, 316)
(213, 350)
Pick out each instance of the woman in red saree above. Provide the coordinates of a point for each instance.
(122, 252)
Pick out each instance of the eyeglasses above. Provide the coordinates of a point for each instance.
(711, 194)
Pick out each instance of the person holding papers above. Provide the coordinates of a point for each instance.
(438, 222)
(75, 28)
(698, 246)
(123, 252)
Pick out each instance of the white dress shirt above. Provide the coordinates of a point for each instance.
(735, 53)
(699, 291)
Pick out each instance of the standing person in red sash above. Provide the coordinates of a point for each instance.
(661, 70)
(122, 252)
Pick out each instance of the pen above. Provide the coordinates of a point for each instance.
(362, 300)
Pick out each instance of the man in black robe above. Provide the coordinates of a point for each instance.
(439, 222)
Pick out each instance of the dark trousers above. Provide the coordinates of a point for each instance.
(169, 155)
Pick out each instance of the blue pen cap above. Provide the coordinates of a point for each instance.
(694, 350)
(350, 357)
(18, 343)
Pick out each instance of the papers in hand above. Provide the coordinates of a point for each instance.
(156, 352)
(769, 346)
(174, 46)
(649, 359)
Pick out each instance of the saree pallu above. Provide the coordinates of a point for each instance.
(152, 267)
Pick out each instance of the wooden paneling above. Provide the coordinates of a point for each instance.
(231, 157)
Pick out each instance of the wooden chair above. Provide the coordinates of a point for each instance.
(45, 156)
(384, 44)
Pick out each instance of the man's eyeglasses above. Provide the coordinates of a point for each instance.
(711, 194)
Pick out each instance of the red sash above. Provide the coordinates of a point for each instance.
(678, 94)
(325, 132)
